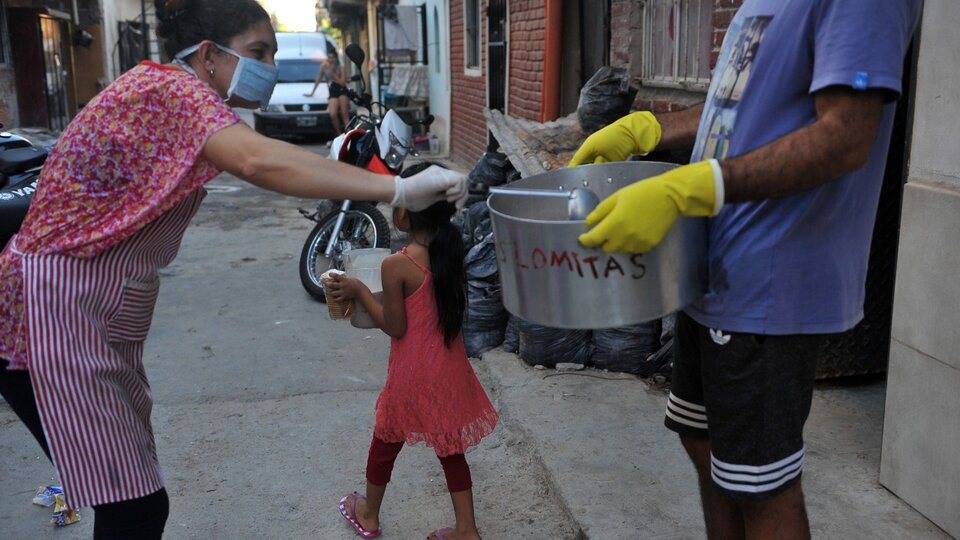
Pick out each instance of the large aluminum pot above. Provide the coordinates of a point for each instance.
(550, 279)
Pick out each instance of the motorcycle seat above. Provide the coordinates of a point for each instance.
(14, 202)
(17, 160)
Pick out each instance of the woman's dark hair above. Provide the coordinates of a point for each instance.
(446, 262)
(183, 23)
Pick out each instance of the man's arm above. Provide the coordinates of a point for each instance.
(679, 129)
(838, 142)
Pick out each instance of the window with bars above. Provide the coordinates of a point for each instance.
(471, 35)
(677, 42)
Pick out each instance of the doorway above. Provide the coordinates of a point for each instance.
(42, 65)
(497, 55)
(52, 32)
(437, 45)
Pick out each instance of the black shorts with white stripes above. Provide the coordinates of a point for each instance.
(750, 395)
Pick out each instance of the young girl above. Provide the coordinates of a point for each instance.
(431, 394)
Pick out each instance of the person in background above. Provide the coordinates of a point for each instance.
(431, 394)
(338, 105)
(79, 281)
(788, 160)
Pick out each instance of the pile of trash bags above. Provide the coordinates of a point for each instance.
(493, 169)
(486, 319)
(644, 349)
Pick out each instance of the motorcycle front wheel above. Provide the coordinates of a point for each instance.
(363, 227)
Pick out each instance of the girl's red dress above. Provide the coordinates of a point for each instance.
(431, 394)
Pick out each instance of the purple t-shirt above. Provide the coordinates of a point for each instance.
(797, 264)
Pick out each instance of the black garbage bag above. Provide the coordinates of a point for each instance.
(474, 224)
(659, 362)
(478, 220)
(481, 262)
(511, 337)
(460, 222)
(490, 170)
(551, 346)
(606, 97)
(625, 349)
(486, 318)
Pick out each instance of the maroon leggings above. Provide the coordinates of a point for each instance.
(383, 455)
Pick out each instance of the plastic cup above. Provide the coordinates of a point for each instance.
(337, 310)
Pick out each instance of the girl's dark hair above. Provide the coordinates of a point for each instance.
(446, 262)
(183, 23)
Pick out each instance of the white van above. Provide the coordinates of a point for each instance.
(299, 56)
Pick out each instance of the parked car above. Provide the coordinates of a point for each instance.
(299, 57)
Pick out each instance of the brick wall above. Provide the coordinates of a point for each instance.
(524, 80)
(526, 46)
(626, 31)
(468, 94)
(623, 30)
(9, 115)
(723, 12)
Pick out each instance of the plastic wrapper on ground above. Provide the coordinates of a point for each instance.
(63, 515)
(47, 495)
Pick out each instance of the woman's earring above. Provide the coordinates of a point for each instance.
(210, 72)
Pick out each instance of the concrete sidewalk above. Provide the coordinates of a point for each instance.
(621, 474)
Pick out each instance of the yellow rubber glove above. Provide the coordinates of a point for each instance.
(636, 133)
(637, 217)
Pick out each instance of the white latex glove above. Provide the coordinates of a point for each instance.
(428, 186)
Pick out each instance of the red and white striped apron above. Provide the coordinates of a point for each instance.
(87, 320)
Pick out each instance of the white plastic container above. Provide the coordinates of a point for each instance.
(364, 264)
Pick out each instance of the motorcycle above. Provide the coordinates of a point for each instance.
(20, 163)
(377, 141)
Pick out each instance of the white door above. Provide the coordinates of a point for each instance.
(438, 47)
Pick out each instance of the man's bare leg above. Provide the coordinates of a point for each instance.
(721, 514)
(783, 517)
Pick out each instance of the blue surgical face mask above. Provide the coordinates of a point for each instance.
(252, 80)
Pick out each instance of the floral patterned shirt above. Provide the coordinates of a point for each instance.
(129, 156)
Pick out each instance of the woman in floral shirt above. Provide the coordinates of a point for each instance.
(79, 281)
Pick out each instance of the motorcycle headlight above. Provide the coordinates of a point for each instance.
(397, 153)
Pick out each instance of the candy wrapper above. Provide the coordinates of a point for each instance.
(46, 495)
(63, 516)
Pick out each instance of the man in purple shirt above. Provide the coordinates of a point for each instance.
(788, 158)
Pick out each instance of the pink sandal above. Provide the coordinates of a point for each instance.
(440, 534)
(351, 515)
